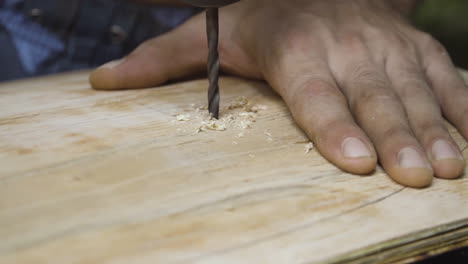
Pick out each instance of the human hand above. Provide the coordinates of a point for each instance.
(358, 78)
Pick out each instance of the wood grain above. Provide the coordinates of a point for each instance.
(111, 177)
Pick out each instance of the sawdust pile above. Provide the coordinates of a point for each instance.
(240, 114)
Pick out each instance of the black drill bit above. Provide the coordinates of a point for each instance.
(212, 29)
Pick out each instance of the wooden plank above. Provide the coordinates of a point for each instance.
(113, 177)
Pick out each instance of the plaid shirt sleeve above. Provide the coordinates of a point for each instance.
(46, 41)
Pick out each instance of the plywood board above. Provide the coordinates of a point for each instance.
(113, 177)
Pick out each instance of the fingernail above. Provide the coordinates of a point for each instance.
(354, 148)
(410, 158)
(111, 64)
(441, 150)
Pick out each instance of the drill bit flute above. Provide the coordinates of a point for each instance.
(212, 30)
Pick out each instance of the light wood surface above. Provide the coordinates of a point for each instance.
(112, 177)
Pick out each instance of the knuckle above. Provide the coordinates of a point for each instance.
(327, 124)
(436, 47)
(429, 125)
(393, 132)
(415, 89)
(296, 40)
(364, 72)
(410, 81)
(401, 43)
(407, 68)
(376, 96)
(428, 129)
(352, 41)
(367, 88)
(317, 87)
(424, 37)
(400, 40)
(430, 44)
(312, 89)
(393, 39)
(371, 101)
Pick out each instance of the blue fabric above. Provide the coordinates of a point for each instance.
(10, 3)
(171, 16)
(34, 44)
(45, 47)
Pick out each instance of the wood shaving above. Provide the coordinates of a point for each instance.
(257, 108)
(245, 124)
(269, 135)
(309, 147)
(183, 117)
(248, 116)
(217, 125)
(239, 102)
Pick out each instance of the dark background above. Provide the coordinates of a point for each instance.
(447, 20)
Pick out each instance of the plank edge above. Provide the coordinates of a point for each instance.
(412, 247)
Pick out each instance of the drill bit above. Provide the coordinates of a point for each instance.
(212, 29)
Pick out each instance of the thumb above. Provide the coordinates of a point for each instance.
(176, 54)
